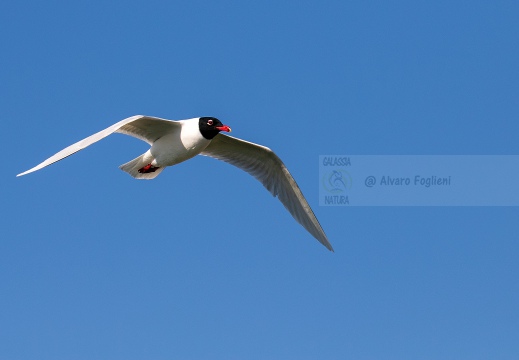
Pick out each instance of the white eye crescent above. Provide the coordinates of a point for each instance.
(209, 122)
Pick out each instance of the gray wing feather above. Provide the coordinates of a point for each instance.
(267, 167)
(145, 128)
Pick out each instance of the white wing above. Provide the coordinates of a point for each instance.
(267, 167)
(146, 128)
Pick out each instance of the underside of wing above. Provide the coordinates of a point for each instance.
(267, 167)
(142, 127)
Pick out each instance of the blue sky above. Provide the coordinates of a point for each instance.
(202, 263)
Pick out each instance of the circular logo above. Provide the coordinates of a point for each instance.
(336, 181)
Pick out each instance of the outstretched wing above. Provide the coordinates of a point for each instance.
(142, 127)
(267, 167)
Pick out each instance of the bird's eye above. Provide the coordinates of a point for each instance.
(209, 122)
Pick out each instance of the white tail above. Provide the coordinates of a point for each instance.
(132, 168)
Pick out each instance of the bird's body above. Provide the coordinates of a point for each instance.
(179, 145)
(173, 142)
(180, 141)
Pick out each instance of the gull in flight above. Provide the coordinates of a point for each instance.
(173, 142)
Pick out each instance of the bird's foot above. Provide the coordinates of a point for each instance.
(148, 168)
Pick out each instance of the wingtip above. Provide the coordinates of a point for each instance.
(25, 172)
(324, 241)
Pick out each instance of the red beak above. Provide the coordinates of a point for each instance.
(224, 128)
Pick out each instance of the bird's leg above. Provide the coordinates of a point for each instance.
(148, 168)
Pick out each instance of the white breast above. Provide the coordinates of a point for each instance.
(179, 146)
